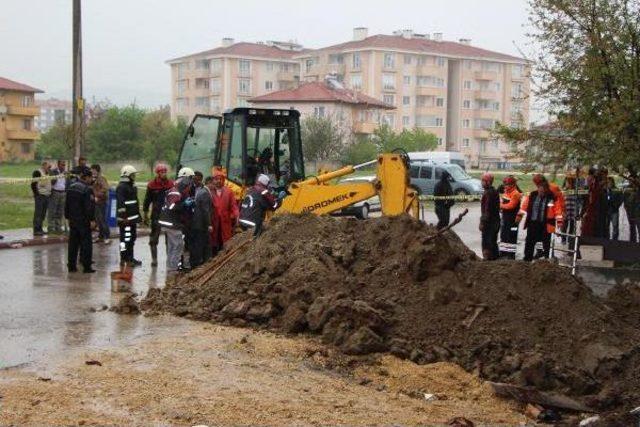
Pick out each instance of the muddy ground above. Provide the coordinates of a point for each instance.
(217, 375)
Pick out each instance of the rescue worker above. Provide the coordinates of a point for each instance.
(224, 214)
(200, 247)
(558, 195)
(255, 205)
(443, 207)
(614, 202)
(157, 190)
(541, 211)
(79, 210)
(174, 218)
(128, 211)
(509, 206)
(489, 218)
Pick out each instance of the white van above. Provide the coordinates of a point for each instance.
(439, 157)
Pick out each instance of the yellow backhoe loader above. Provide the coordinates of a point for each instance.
(246, 142)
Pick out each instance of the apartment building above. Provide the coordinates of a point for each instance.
(356, 112)
(52, 112)
(17, 112)
(453, 89)
(229, 75)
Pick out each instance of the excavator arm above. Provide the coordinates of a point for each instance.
(317, 195)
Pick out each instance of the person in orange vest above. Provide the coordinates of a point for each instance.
(558, 196)
(542, 211)
(510, 199)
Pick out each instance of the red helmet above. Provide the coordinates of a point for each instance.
(161, 167)
(538, 179)
(488, 177)
(509, 180)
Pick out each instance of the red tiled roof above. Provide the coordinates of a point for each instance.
(7, 84)
(321, 92)
(248, 49)
(382, 41)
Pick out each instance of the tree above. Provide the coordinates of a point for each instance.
(161, 137)
(116, 134)
(323, 138)
(362, 150)
(387, 140)
(56, 143)
(588, 67)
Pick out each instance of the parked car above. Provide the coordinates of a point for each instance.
(425, 174)
(362, 209)
(439, 157)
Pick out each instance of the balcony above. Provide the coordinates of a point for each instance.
(486, 114)
(201, 73)
(215, 72)
(485, 94)
(482, 133)
(23, 111)
(486, 75)
(286, 76)
(22, 134)
(364, 127)
(431, 91)
(336, 68)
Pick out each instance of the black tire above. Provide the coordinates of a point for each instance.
(461, 192)
(364, 212)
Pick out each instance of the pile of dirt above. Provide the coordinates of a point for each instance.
(385, 285)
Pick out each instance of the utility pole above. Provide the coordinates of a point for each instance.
(78, 101)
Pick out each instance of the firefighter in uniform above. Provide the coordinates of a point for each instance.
(79, 209)
(157, 189)
(255, 205)
(509, 206)
(128, 211)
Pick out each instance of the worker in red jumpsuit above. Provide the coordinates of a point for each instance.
(225, 212)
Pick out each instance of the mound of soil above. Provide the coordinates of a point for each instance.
(384, 285)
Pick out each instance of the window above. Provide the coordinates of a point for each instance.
(426, 172)
(356, 81)
(268, 85)
(406, 80)
(439, 121)
(408, 59)
(388, 82)
(216, 64)
(406, 121)
(25, 147)
(308, 64)
(182, 104)
(466, 103)
(414, 171)
(430, 81)
(26, 124)
(428, 121)
(517, 90)
(244, 67)
(468, 64)
(389, 60)
(284, 67)
(517, 71)
(388, 119)
(406, 100)
(214, 104)
(494, 143)
(335, 58)
(422, 60)
(244, 86)
(483, 145)
(439, 143)
(202, 64)
(439, 102)
(202, 101)
(214, 85)
(355, 60)
(491, 66)
(269, 66)
(202, 83)
(440, 61)
(318, 111)
(182, 68)
(483, 123)
(241, 102)
(183, 85)
(465, 142)
(388, 99)
(467, 85)
(26, 101)
(466, 123)
(486, 104)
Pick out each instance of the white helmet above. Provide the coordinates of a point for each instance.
(263, 179)
(127, 170)
(185, 172)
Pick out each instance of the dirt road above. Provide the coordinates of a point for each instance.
(207, 374)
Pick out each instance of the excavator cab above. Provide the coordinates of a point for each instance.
(246, 142)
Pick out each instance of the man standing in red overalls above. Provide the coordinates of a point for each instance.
(224, 214)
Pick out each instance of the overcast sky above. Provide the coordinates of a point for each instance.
(126, 42)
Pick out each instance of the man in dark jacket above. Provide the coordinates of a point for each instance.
(489, 218)
(157, 190)
(255, 205)
(443, 207)
(128, 211)
(540, 207)
(614, 202)
(200, 248)
(79, 210)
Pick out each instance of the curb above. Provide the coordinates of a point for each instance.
(42, 241)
